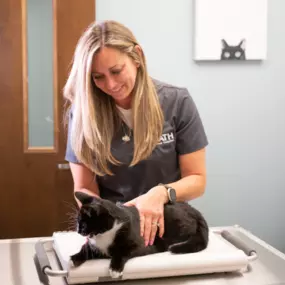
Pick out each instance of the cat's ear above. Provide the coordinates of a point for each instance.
(224, 43)
(83, 197)
(242, 44)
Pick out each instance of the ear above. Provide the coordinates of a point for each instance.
(242, 44)
(139, 52)
(224, 43)
(83, 197)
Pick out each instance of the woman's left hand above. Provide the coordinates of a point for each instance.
(151, 208)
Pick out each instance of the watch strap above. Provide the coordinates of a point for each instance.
(167, 190)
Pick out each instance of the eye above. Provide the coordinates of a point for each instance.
(237, 54)
(82, 228)
(97, 77)
(227, 54)
(116, 71)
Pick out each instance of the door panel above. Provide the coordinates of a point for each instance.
(38, 30)
(35, 195)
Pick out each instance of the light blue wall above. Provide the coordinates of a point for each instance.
(242, 107)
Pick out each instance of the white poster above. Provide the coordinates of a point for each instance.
(230, 30)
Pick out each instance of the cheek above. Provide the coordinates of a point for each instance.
(99, 84)
(132, 78)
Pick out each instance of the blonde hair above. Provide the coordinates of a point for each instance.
(95, 117)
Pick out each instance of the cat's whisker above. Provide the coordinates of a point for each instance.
(68, 228)
(71, 218)
(71, 205)
(70, 224)
(74, 221)
(72, 215)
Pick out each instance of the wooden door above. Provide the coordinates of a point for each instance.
(36, 194)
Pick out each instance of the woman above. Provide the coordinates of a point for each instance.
(131, 138)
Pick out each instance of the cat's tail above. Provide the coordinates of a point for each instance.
(195, 243)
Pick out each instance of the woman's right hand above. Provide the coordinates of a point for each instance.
(151, 209)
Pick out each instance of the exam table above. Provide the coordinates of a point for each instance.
(19, 265)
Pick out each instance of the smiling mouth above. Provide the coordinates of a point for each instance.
(118, 90)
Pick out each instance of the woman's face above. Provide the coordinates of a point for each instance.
(115, 74)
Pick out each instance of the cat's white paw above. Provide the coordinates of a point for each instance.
(115, 274)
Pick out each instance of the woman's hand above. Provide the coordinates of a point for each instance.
(150, 207)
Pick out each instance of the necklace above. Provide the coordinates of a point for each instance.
(126, 137)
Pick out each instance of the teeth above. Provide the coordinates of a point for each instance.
(118, 89)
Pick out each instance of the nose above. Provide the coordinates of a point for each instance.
(110, 84)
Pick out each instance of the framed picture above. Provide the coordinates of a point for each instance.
(230, 30)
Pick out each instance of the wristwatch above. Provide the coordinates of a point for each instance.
(170, 192)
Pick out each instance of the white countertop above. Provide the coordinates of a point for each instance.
(17, 266)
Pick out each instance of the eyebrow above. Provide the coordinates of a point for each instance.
(110, 68)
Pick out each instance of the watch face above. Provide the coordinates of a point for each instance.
(172, 194)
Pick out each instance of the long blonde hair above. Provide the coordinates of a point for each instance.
(95, 117)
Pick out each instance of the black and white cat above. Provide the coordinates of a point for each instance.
(113, 231)
(231, 52)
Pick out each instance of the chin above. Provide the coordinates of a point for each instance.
(122, 98)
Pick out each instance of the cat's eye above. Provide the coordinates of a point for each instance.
(237, 54)
(82, 229)
(227, 54)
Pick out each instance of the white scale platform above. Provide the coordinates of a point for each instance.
(219, 256)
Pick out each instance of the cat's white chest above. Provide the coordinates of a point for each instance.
(104, 240)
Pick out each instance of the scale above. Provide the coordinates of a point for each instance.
(224, 253)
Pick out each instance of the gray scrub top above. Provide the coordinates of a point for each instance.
(183, 133)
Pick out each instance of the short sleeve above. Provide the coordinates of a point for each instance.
(190, 132)
(69, 153)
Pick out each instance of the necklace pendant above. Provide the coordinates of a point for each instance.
(126, 138)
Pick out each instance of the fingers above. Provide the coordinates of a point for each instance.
(130, 203)
(151, 225)
(151, 216)
(154, 227)
(147, 229)
(161, 226)
(142, 221)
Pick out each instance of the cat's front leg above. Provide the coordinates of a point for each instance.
(117, 265)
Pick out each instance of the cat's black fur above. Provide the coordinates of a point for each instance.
(186, 230)
(230, 52)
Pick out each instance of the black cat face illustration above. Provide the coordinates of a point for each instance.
(230, 52)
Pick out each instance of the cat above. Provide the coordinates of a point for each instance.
(230, 52)
(113, 231)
